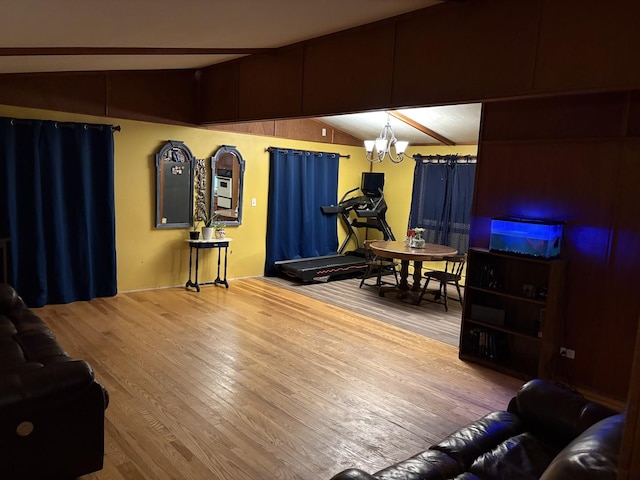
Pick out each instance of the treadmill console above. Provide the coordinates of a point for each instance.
(372, 184)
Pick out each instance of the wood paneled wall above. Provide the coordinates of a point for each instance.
(450, 53)
(307, 129)
(576, 159)
(167, 96)
(475, 50)
(629, 464)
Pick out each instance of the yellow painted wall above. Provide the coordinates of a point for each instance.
(150, 258)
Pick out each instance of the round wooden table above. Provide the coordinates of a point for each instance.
(396, 249)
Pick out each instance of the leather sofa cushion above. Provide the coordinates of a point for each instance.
(555, 414)
(522, 457)
(11, 354)
(24, 337)
(41, 346)
(469, 442)
(428, 465)
(7, 328)
(592, 455)
(353, 474)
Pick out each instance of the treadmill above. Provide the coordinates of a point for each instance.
(368, 210)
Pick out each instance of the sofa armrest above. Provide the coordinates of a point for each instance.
(592, 455)
(556, 413)
(24, 386)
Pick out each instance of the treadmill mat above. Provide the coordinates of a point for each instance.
(326, 266)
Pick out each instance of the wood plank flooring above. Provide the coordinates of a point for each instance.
(428, 319)
(259, 382)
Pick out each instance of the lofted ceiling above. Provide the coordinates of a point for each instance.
(38, 36)
(443, 125)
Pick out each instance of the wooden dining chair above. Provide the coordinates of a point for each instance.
(451, 275)
(377, 267)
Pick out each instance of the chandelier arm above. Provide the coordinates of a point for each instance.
(396, 159)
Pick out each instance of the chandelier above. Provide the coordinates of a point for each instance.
(383, 145)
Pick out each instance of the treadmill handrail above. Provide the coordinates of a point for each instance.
(375, 203)
(380, 199)
(345, 195)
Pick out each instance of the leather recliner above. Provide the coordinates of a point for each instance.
(51, 406)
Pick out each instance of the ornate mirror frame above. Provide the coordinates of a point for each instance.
(227, 182)
(175, 165)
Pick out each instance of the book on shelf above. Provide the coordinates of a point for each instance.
(489, 344)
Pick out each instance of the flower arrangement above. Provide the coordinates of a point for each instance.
(217, 226)
(416, 240)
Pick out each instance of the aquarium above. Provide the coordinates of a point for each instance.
(526, 236)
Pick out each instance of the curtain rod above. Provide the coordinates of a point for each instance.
(299, 152)
(445, 158)
(86, 126)
(22, 121)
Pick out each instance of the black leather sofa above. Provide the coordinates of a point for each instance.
(547, 433)
(51, 406)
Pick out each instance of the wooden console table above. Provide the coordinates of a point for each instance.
(197, 245)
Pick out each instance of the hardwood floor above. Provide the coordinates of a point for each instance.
(259, 382)
(427, 319)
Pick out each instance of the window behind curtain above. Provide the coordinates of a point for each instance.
(442, 199)
(57, 196)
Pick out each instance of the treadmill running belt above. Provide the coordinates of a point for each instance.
(321, 268)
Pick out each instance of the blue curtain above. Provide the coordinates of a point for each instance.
(57, 192)
(300, 182)
(442, 199)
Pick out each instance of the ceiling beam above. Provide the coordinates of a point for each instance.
(56, 51)
(418, 126)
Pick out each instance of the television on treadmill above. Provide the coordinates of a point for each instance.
(371, 182)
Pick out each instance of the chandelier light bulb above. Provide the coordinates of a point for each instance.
(369, 145)
(401, 147)
(381, 145)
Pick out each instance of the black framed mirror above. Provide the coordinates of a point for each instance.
(227, 174)
(175, 166)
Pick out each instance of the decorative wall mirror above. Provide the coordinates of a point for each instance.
(175, 165)
(227, 174)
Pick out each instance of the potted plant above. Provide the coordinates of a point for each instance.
(209, 225)
(194, 234)
(219, 228)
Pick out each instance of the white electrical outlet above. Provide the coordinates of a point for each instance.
(253, 202)
(567, 353)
